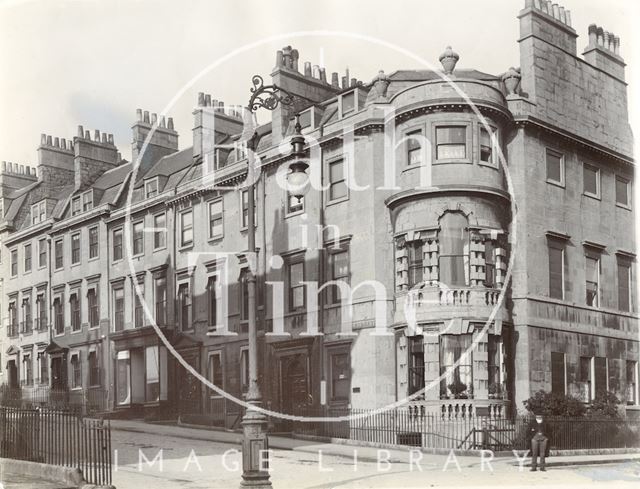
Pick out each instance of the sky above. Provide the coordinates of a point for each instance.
(94, 62)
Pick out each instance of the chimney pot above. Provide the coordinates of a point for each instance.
(294, 59)
(139, 114)
(307, 68)
(335, 82)
(323, 75)
(354, 82)
(104, 137)
(43, 139)
(4, 166)
(56, 142)
(21, 169)
(170, 123)
(163, 122)
(555, 11)
(545, 6)
(154, 118)
(200, 99)
(316, 72)
(561, 14)
(146, 116)
(110, 139)
(87, 134)
(207, 100)
(279, 59)
(80, 132)
(567, 17)
(96, 136)
(63, 143)
(344, 82)
(49, 141)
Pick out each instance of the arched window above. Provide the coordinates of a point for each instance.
(454, 249)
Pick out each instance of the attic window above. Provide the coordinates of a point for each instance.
(347, 103)
(307, 118)
(151, 188)
(87, 200)
(75, 206)
(38, 212)
(241, 151)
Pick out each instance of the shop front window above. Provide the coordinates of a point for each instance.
(152, 361)
(123, 378)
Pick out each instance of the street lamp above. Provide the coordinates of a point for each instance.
(254, 440)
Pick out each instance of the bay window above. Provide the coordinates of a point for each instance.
(416, 364)
(454, 255)
(451, 142)
(457, 381)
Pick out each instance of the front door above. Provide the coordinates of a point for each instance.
(12, 371)
(58, 373)
(189, 397)
(294, 383)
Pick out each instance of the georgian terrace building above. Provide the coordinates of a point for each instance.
(568, 320)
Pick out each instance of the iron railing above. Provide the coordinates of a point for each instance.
(87, 401)
(57, 438)
(403, 426)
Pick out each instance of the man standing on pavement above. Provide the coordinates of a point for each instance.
(539, 444)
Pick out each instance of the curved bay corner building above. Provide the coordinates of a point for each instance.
(420, 216)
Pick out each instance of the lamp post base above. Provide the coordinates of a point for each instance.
(254, 450)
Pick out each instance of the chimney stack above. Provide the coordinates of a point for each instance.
(603, 52)
(163, 141)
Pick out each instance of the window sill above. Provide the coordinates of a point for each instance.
(336, 201)
(95, 258)
(591, 196)
(294, 214)
(555, 183)
(215, 239)
(160, 248)
(73, 265)
(449, 161)
(623, 206)
(488, 164)
(26, 272)
(186, 247)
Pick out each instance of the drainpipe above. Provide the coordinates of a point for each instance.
(321, 280)
(111, 365)
(50, 299)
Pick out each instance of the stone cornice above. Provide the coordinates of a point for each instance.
(529, 120)
(425, 192)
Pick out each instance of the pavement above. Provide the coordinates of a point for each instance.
(364, 453)
(15, 481)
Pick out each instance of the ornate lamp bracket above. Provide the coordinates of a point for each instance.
(267, 96)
